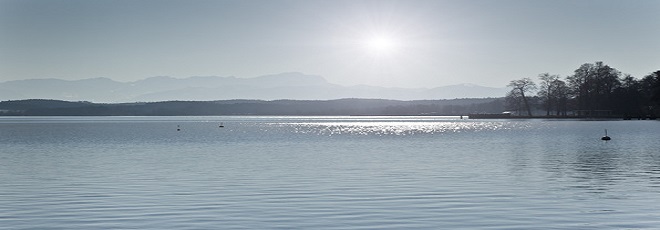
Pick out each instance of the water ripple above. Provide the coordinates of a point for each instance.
(328, 173)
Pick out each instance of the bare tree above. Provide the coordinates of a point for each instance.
(514, 102)
(520, 87)
(547, 92)
(593, 84)
(561, 97)
(553, 93)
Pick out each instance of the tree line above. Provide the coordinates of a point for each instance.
(594, 89)
(40, 107)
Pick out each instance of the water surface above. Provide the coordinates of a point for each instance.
(327, 173)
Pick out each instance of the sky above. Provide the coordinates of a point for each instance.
(408, 43)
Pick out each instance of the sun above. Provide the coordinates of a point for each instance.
(381, 45)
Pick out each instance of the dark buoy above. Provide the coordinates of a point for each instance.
(606, 138)
(178, 128)
(221, 125)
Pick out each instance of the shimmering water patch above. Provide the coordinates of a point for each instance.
(390, 126)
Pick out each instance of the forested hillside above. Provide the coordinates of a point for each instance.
(253, 107)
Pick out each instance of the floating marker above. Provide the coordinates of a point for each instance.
(606, 138)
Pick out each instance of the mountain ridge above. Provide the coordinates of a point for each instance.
(291, 85)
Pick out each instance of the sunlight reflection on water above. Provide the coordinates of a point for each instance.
(396, 127)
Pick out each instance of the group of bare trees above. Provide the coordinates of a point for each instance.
(593, 87)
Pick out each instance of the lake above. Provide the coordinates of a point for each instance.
(327, 173)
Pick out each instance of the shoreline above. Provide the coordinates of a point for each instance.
(508, 116)
(462, 117)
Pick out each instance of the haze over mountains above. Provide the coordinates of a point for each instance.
(296, 86)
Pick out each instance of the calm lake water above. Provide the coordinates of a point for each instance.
(327, 173)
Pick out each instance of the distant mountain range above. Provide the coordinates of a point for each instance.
(295, 86)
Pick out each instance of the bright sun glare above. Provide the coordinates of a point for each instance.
(382, 45)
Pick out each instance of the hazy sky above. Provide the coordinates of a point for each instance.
(405, 43)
